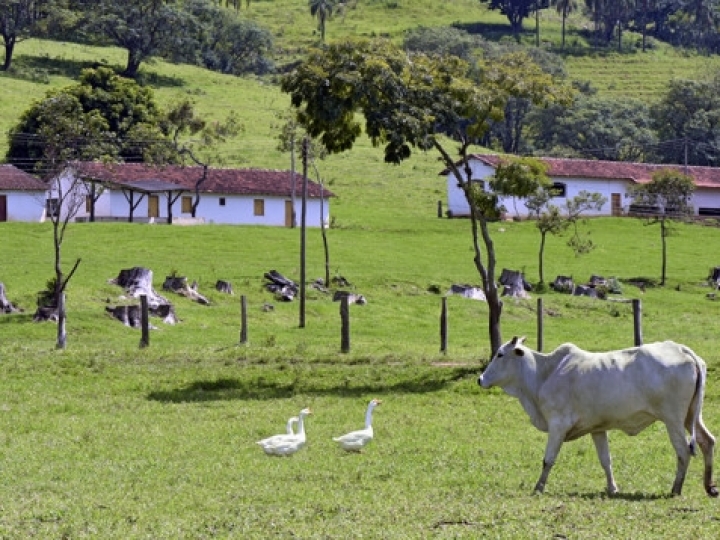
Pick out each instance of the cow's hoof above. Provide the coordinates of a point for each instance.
(712, 491)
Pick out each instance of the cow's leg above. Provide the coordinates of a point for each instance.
(707, 444)
(676, 432)
(552, 449)
(603, 451)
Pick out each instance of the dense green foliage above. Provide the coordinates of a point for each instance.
(107, 116)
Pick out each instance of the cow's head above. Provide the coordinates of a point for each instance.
(503, 367)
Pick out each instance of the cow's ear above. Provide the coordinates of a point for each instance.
(521, 340)
(519, 352)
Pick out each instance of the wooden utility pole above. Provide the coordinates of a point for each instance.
(303, 219)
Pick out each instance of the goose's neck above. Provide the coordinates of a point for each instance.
(301, 425)
(368, 417)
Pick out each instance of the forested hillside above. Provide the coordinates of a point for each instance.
(631, 68)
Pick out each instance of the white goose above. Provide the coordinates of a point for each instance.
(356, 440)
(287, 444)
(268, 444)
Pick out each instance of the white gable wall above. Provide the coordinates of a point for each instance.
(457, 205)
(24, 205)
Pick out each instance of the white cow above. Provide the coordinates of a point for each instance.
(569, 393)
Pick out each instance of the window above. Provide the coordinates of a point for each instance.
(186, 205)
(88, 204)
(52, 206)
(259, 207)
(222, 201)
(558, 189)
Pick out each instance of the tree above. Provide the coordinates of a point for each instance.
(594, 128)
(565, 8)
(689, 113)
(223, 42)
(129, 112)
(515, 10)
(144, 28)
(444, 40)
(509, 133)
(63, 123)
(668, 194)
(550, 219)
(413, 101)
(323, 10)
(17, 18)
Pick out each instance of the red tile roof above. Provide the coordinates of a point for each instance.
(224, 181)
(706, 177)
(12, 178)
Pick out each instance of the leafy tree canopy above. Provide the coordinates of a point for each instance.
(221, 41)
(102, 107)
(144, 28)
(407, 99)
(690, 112)
(601, 128)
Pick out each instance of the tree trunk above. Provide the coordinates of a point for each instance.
(133, 64)
(487, 274)
(9, 48)
(198, 184)
(541, 256)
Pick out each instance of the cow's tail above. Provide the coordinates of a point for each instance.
(698, 398)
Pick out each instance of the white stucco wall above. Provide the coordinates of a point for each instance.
(24, 205)
(237, 210)
(457, 205)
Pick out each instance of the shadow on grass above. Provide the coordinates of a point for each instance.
(39, 68)
(637, 496)
(261, 388)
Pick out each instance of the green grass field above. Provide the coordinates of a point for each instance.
(107, 440)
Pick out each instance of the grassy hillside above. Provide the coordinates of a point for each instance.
(40, 65)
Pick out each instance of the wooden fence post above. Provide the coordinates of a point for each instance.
(345, 324)
(144, 322)
(443, 326)
(637, 321)
(243, 320)
(540, 324)
(62, 321)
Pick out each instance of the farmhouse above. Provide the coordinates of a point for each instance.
(22, 196)
(142, 193)
(612, 179)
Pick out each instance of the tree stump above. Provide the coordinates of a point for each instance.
(180, 286)
(137, 281)
(284, 289)
(514, 284)
(563, 284)
(223, 286)
(6, 306)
